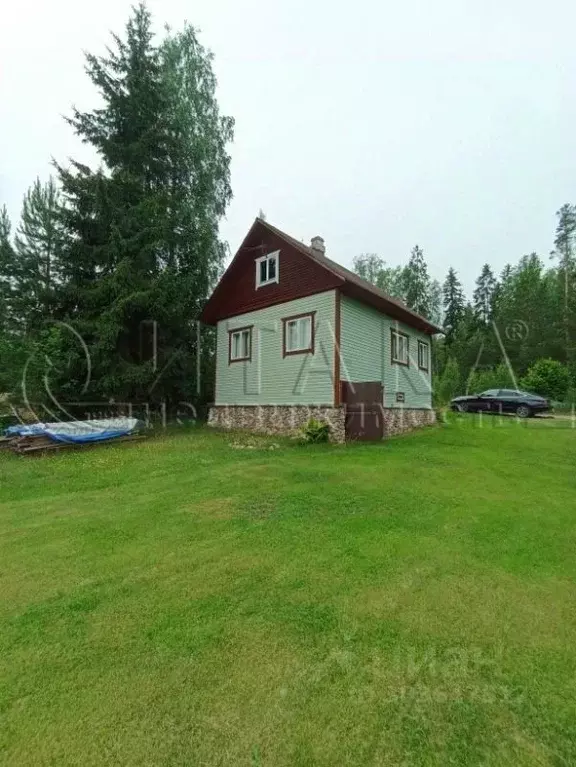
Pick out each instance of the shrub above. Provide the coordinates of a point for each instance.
(570, 398)
(491, 378)
(448, 384)
(549, 378)
(315, 431)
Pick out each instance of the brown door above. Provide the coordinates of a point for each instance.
(364, 417)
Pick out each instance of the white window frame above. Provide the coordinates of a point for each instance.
(268, 257)
(423, 349)
(240, 333)
(297, 321)
(406, 346)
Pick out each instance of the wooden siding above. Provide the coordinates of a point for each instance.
(299, 276)
(366, 355)
(271, 378)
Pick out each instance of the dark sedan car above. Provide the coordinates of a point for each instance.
(502, 401)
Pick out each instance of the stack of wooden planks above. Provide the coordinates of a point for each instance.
(40, 443)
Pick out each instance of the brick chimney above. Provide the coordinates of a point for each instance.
(317, 244)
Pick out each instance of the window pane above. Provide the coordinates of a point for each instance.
(240, 346)
(245, 343)
(263, 271)
(305, 340)
(399, 348)
(422, 355)
(292, 340)
(272, 269)
(299, 334)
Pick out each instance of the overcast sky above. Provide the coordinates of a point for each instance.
(376, 125)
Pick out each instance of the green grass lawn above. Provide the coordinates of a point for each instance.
(183, 601)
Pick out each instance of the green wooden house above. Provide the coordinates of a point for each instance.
(299, 336)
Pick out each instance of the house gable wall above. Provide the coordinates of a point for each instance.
(299, 276)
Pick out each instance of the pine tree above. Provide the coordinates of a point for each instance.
(484, 294)
(454, 302)
(38, 244)
(565, 246)
(417, 283)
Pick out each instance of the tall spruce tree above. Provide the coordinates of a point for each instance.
(114, 217)
(417, 283)
(143, 248)
(38, 246)
(454, 302)
(484, 294)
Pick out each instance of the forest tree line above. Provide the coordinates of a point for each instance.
(517, 330)
(102, 277)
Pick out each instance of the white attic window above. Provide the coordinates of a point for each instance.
(268, 269)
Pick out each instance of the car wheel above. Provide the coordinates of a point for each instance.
(523, 411)
(462, 407)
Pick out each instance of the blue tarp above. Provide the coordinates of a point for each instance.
(77, 431)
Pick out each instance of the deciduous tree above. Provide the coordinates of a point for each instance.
(7, 262)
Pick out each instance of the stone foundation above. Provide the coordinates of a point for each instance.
(400, 420)
(277, 419)
(287, 419)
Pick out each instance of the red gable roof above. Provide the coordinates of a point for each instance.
(303, 272)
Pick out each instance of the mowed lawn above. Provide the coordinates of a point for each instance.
(188, 601)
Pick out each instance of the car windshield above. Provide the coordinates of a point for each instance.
(490, 393)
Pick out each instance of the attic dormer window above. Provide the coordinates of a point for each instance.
(267, 269)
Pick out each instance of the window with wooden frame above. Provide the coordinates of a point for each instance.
(298, 334)
(268, 269)
(399, 345)
(240, 344)
(423, 356)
